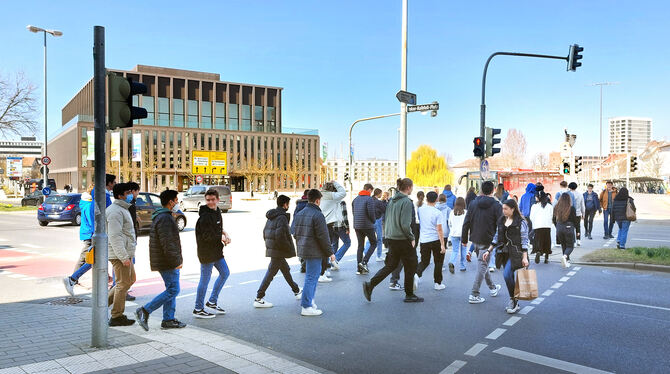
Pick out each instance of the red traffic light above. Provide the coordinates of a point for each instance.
(478, 151)
(478, 141)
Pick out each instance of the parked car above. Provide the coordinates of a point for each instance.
(146, 204)
(37, 184)
(33, 198)
(60, 208)
(194, 197)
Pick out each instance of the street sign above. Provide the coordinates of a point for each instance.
(406, 97)
(46, 160)
(484, 169)
(42, 170)
(565, 149)
(198, 179)
(423, 107)
(46, 191)
(209, 162)
(14, 167)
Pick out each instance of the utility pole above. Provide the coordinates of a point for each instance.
(600, 154)
(402, 141)
(99, 319)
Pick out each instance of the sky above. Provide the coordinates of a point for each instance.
(339, 61)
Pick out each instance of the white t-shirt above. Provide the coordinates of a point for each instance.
(429, 218)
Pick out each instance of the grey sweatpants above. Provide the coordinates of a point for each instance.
(482, 270)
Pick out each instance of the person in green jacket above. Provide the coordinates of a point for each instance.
(398, 233)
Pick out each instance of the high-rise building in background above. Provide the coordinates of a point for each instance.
(629, 134)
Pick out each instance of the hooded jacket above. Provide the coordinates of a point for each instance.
(527, 200)
(277, 235)
(470, 197)
(311, 233)
(208, 233)
(481, 220)
(164, 243)
(120, 231)
(364, 208)
(451, 198)
(591, 201)
(87, 227)
(446, 213)
(399, 218)
(330, 203)
(299, 205)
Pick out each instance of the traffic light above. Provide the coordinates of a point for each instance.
(120, 110)
(566, 166)
(574, 57)
(578, 164)
(479, 150)
(633, 163)
(491, 141)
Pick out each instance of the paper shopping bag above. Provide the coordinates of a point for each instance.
(525, 287)
(90, 256)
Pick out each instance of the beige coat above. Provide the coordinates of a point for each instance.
(120, 231)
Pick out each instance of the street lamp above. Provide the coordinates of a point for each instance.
(36, 29)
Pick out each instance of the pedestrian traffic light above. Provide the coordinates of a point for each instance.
(120, 111)
(491, 141)
(574, 57)
(633, 163)
(479, 150)
(566, 166)
(578, 164)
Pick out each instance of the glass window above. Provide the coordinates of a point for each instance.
(220, 123)
(155, 200)
(246, 117)
(163, 111)
(178, 112)
(258, 118)
(142, 200)
(206, 115)
(233, 114)
(148, 104)
(193, 114)
(271, 116)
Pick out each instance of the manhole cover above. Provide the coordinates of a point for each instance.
(65, 301)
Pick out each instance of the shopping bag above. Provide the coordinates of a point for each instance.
(90, 256)
(525, 287)
(630, 212)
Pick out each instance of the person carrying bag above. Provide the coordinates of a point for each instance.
(526, 284)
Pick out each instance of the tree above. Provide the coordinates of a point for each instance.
(294, 170)
(149, 168)
(540, 161)
(555, 161)
(514, 149)
(426, 168)
(654, 164)
(17, 106)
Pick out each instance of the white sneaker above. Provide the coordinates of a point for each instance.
(335, 265)
(380, 259)
(417, 280)
(261, 303)
(439, 286)
(512, 306)
(476, 299)
(311, 311)
(69, 285)
(327, 273)
(579, 243)
(298, 296)
(564, 261)
(491, 269)
(494, 292)
(567, 264)
(324, 279)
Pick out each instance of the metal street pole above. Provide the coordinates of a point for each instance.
(46, 176)
(600, 154)
(402, 143)
(99, 318)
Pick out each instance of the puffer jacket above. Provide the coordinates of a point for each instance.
(619, 209)
(451, 198)
(164, 243)
(120, 231)
(277, 235)
(299, 205)
(87, 227)
(311, 233)
(364, 208)
(208, 233)
(330, 203)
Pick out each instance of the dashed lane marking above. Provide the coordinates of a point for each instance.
(31, 245)
(547, 361)
(476, 349)
(557, 285)
(251, 281)
(577, 268)
(496, 334)
(547, 293)
(564, 279)
(572, 273)
(512, 320)
(620, 302)
(453, 367)
(537, 301)
(17, 276)
(186, 295)
(526, 309)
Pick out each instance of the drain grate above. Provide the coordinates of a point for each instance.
(65, 301)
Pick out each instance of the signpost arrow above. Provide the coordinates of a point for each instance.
(46, 191)
(423, 107)
(406, 97)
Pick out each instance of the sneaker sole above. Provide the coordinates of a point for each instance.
(512, 311)
(476, 302)
(263, 306)
(451, 268)
(204, 317)
(145, 326)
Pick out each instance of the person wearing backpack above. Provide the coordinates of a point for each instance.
(621, 215)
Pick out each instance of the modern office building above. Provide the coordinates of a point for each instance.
(380, 173)
(189, 111)
(28, 146)
(629, 134)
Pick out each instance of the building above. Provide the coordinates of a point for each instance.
(629, 134)
(28, 146)
(380, 173)
(190, 111)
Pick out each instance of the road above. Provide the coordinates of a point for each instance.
(596, 318)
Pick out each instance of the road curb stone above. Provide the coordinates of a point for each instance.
(629, 265)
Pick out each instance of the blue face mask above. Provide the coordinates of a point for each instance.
(129, 198)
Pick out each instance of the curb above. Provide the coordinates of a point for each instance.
(629, 265)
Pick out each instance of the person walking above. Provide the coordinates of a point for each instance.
(121, 250)
(591, 206)
(210, 238)
(541, 215)
(580, 210)
(451, 198)
(380, 208)
(416, 230)
(607, 196)
(565, 219)
(86, 229)
(313, 242)
(619, 214)
(479, 226)
(511, 240)
(333, 193)
(278, 246)
(445, 211)
(432, 240)
(456, 229)
(470, 197)
(501, 195)
(300, 204)
(342, 230)
(365, 215)
(400, 238)
(164, 257)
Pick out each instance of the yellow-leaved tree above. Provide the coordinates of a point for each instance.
(426, 168)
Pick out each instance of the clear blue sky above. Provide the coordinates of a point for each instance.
(340, 60)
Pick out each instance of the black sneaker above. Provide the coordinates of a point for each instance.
(451, 268)
(611, 236)
(537, 258)
(121, 321)
(142, 318)
(365, 268)
(216, 308)
(546, 259)
(130, 297)
(174, 324)
(606, 237)
(367, 291)
(413, 299)
(203, 314)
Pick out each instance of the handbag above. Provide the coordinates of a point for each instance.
(90, 256)
(630, 212)
(525, 287)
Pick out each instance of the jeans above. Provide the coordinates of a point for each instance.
(312, 270)
(395, 274)
(622, 236)
(508, 274)
(578, 227)
(426, 250)
(361, 234)
(81, 271)
(565, 234)
(588, 221)
(205, 274)
(379, 233)
(399, 251)
(482, 270)
(168, 298)
(492, 259)
(342, 234)
(277, 264)
(457, 250)
(608, 221)
(85, 246)
(117, 295)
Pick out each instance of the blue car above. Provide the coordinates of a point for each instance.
(60, 208)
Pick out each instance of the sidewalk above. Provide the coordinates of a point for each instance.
(44, 338)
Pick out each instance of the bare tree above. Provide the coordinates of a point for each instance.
(540, 161)
(554, 162)
(294, 171)
(654, 164)
(514, 149)
(17, 106)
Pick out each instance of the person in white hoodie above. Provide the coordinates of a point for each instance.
(332, 194)
(541, 217)
(458, 250)
(580, 209)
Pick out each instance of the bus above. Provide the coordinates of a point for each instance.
(514, 180)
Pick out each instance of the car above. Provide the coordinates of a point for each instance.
(34, 198)
(194, 197)
(60, 208)
(146, 204)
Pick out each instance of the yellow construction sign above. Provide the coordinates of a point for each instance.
(209, 162)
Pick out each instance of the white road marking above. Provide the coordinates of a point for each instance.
(572, 273)
(557, 285)
(496, 334)
(564, 279)
(31, 245)
(547, 361)
(17, 276)
(577, 268)
(454, 367)
(606, 245)
(476, 349)
(295, 272)
(251, 281)
(3, 240)
(526, 309)
(548, 293)
(29, 278)
(186, 295)
(620, 302)
(351, 259)
(512, 320)
(537, 300)
(652, 240)
(5, 272)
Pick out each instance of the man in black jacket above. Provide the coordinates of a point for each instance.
(364, 208)
(164, 257)
(211, 238)
(479, 227)
(279, 246)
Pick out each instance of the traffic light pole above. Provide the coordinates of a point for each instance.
(99, 321)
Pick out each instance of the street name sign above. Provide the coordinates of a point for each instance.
(406, 97)
(209, 162)
(423, 107)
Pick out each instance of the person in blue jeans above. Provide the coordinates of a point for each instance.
(380, 209)
(341, 229)
(619, 206)
(164, 257)
(458, 250)
(606, 200)
(210, 238)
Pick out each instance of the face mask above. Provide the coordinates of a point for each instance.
(129, 199)
(175, 208)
